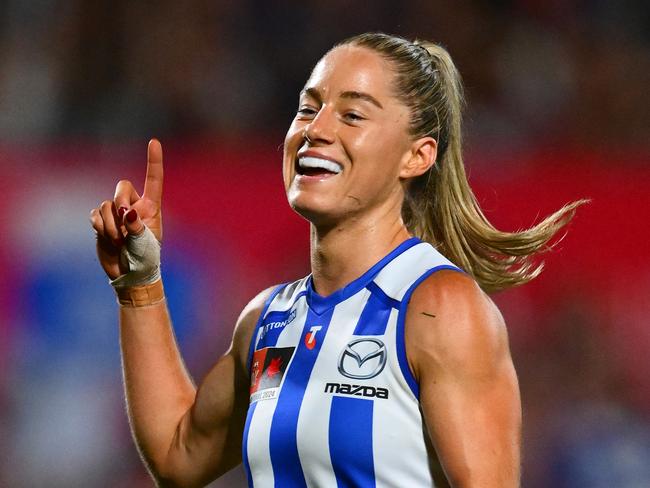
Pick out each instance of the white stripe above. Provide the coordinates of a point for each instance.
(397, 427)
(312, 439)
(290, 335)
(258, 443)
(287, 296)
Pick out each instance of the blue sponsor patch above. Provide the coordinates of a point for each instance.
(273, 324)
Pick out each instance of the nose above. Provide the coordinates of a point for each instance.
(322, 128)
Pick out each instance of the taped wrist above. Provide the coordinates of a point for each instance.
(141, 256)
(141, 296)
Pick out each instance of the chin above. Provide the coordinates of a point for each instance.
(315, 210)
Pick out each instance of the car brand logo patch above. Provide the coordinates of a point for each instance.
(362, 358)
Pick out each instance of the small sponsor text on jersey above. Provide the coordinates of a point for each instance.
(356, 390)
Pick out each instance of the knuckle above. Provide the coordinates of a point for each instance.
(122, 191)
(96, 223)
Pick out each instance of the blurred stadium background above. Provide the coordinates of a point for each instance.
(558, 110)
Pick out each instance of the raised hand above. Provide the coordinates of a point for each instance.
(128, 213)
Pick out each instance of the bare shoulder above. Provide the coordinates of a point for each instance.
(452, 292)
(245, 325)
(452, 324)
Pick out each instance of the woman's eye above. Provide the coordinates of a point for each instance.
(306, 111)
(354, 117)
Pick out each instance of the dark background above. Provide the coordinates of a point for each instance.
(558, 109)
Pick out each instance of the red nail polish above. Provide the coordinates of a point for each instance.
(131, 215)
(120, 211)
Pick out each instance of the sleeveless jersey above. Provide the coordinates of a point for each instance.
(332, 399)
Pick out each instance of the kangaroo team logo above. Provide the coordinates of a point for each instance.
(362, 358)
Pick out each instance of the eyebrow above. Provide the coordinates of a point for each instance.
(355, 95)
(350, 94)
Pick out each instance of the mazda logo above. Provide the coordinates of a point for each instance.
(363, 359)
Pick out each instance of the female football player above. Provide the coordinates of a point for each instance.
(389, 356)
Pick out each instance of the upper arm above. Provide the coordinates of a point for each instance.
(215, 396)
(457, 347)
(208, 438)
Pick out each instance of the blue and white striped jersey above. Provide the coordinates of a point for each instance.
(333, 401)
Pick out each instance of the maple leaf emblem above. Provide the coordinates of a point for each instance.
(274, 367)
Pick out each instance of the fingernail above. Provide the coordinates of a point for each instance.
(120, 211)
(131, 215)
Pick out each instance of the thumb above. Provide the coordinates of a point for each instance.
(132, 222)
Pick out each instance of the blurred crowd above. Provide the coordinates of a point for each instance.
(81, 82)
(536, 71)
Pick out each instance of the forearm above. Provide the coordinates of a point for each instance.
(178, 429)
(158, 388)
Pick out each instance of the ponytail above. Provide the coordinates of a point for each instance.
(440, 206)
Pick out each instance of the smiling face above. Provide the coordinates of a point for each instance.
(348, 148)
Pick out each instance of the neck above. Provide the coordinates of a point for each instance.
(342, 252)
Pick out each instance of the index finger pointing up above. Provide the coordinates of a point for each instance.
(153, 184)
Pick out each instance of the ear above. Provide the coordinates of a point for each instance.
(420, 158)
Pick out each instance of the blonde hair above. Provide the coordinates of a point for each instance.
(440, 206)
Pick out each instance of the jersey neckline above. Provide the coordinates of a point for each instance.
(320, 304)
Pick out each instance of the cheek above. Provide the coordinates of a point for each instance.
(295, 137)
(292, 142)
(294, 128)
(380, 152)
(287, 171)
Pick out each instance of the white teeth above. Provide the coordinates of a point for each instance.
(311, 162)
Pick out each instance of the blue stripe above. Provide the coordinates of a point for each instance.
(320, 304)
(350, 439)
(374, 288)
(244, 446)
(267, 303)
(283, 443)
(374, 317)
(401, 320)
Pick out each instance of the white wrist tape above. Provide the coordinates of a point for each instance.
(141, 256)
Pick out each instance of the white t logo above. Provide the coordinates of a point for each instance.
(310, 338)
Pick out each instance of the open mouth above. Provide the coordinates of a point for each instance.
(311, 166)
